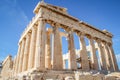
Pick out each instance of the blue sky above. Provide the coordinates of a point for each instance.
(16, 14)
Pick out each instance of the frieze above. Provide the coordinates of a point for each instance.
(58, 18)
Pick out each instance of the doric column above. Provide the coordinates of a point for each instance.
(48, 52)
(71, 51)
(32, 48)
(40, 45)
(64, 64)
(94, 60)
(108, 58)
(57, 49)
(21, 55)
(83, 53)
(18, 59)
(114, 62)
(101, 54)
(26, 53)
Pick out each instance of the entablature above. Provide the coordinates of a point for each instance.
(59, 15)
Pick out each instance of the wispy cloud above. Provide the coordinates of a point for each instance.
(15, 13)
(14, 18)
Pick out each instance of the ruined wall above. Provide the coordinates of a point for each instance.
(7, 68)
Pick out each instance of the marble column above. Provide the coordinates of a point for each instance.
(57, 49)
(21, 56)
(40, 45)
(48, 52)
(72, 64)
(26, 52)
(94, 60)
(32, 48)
(108, 58)
(64, 64)
(83, 53)
(18, 58)
(114, 62)
(101, 54)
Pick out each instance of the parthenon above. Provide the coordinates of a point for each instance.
(40, 47)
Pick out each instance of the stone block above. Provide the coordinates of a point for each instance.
(69, 78)
(110, 78)
(117, 78)
(85, 77)
(98, 77)
(36, 77)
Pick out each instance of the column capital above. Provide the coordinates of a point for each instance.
(68, 29)
(24, 39)
(28, 34)
(90, 37)
(104, 42)
(81, 34)
(34, 27)
(49, 21)
(110, 44)
(98, 40)
(57, 25)
(19, 43)
(41, 19)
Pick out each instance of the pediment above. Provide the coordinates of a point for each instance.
(43, 4)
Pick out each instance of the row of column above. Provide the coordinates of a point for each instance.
(33, 53)
(107, 56)
(103, 51)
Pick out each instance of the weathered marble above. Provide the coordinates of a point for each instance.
(40, 54)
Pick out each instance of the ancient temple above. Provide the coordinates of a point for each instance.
(40, 54)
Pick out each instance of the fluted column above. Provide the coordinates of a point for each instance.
(83, 53)
(26, 52)
(94, 60)
(21, 55)
(32, 48)
(57, 49)
(71, 51)
(108, 58)
(101, 54)
(114, 62)
(40, 45)
(18, 59)
(48, 52)
(64, 64)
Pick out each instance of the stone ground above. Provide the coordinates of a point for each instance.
(71, 75)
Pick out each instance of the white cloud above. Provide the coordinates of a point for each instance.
(15, 16)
